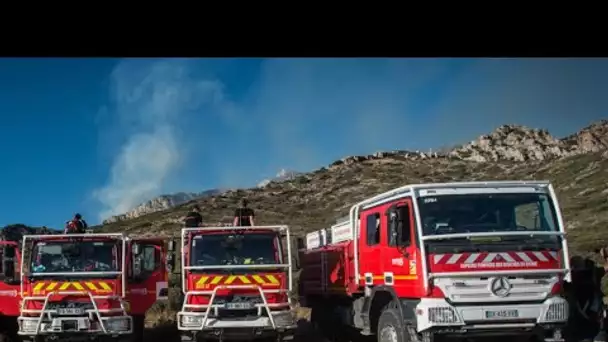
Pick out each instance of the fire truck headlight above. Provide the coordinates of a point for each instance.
(557, 312)
(28, 325)
(284, 319)
(443, 315)
(192, 321)
(118, 324)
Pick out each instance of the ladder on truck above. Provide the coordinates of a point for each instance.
(96, 311)
(190, 309)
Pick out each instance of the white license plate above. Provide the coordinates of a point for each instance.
(70, 311)
(502, 314)
(239, 306)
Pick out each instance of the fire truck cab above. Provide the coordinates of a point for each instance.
(236, 283)
(429, 261)
(81, 287)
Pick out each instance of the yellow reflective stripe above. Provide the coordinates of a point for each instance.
(38, 287)
(259, 279)
(216, 280)
(91, 286)
(201, 282)
(406, 277)
(230, 280)
(78, 286)
(272, 279)
(244, 279)
(105, 286)
(66, 285)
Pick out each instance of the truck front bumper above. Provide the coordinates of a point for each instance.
(438, 316)
(192, 324)
(112, 326)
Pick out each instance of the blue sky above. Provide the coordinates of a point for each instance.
(99, 136)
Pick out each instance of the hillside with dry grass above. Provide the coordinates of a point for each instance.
(577, 165)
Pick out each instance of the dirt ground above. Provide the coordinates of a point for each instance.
(168, 333)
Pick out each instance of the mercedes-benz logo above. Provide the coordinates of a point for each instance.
(500, 286)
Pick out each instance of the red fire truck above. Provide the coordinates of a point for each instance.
(89, 286)
(427, 261)
(236, 283)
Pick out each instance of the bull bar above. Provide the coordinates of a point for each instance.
(200, 321)
(36, 326)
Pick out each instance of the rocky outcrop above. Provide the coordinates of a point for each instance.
(590, 139)
(162, 202)
(507, 143)
(282, 176)
(511, 142)
(520, 143)
(399, 154)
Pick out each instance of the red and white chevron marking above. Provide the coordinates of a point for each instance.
(472, 258)
(502, 260)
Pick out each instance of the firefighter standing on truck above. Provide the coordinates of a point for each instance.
(76, 225)
(194, 218)
(243, 216)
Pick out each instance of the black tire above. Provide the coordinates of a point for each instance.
(138, 328)
(390, 323)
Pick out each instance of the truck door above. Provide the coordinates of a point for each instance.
(399, 248)
(148, 275)
(370, 248)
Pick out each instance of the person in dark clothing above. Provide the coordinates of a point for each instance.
(194, 218)
(584, 294)
(77, 225)
(243, 216)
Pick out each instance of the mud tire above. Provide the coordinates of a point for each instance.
(390, 326)
(138, 329)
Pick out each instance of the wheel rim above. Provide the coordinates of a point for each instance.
(388, 334)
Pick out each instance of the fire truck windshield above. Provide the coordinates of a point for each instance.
(70, 256)
(235, 249)
(481, 213)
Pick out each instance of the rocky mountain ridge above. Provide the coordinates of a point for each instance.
(164, 202)
(508, 143)
(160, 203)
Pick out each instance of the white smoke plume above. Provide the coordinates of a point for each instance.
(148, 103)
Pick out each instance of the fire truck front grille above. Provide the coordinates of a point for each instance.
(471, 290)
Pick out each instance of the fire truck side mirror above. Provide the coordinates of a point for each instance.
(136, 248)
(171, 246)
(8, 262)
(170, 262)
(300, 243)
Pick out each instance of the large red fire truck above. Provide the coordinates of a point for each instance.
(427, 261)
(89, 286)
(236, 283)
